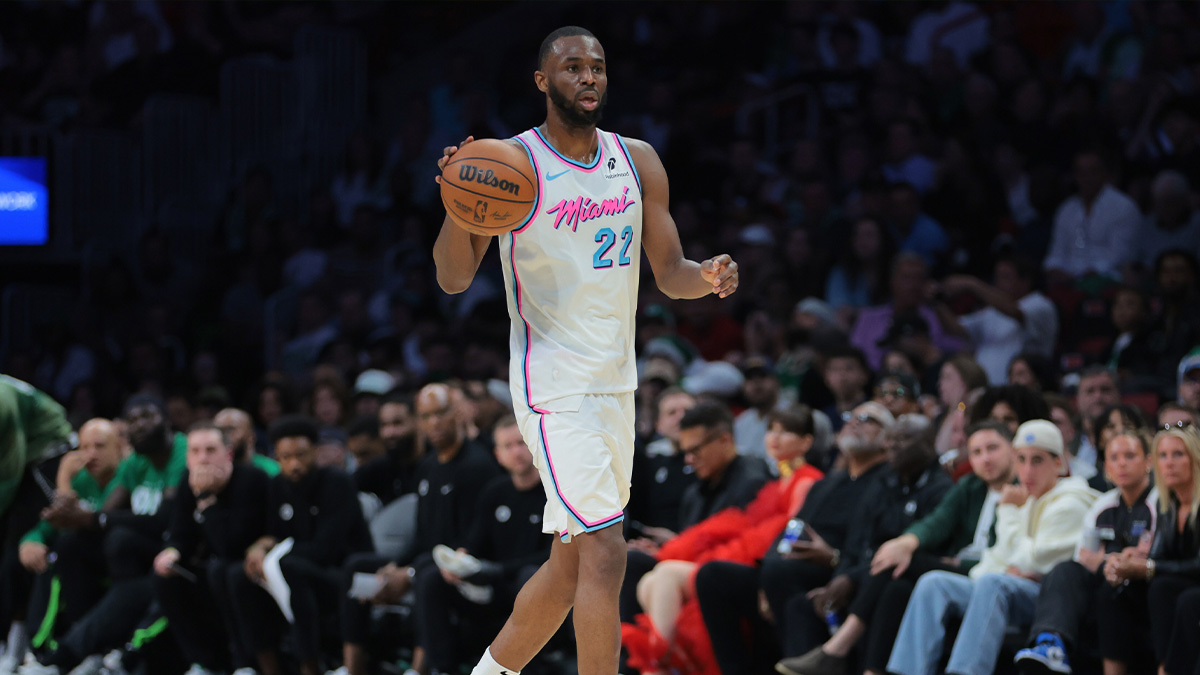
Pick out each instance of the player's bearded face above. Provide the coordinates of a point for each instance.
(572, 111)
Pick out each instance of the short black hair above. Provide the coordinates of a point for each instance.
(294, 426)
(1044, 370)
(1025, 402)
(363, 425)
(1187, 257)
(708, 414)
(565, 31)
(846, 351)
(991, 425)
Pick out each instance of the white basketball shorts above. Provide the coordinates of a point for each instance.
(583, 449)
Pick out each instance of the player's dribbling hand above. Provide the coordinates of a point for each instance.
(722, 272)
(447, 153)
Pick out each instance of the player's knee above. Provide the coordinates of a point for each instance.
(602, 553)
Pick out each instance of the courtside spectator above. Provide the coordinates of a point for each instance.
(728, 592)
(220, 510)
(1121, 522)
(314, 513)
(951, 538)
(1037, 525)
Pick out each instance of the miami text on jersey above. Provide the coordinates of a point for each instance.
(583, 209)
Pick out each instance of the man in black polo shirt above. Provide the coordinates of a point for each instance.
(220, 510)
(728, 593)
(507, 535)
(317, 508)
(394, 474)
(450, 479)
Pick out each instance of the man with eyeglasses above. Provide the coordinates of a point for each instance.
(724, 479)
(727, 592)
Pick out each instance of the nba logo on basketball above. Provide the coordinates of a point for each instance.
(480, 211)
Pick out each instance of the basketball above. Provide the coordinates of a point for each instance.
(489, 187)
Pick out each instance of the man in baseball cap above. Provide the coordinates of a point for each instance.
(1037, 526)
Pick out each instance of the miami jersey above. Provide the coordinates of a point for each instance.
(571, 273)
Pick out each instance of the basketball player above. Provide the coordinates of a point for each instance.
(571, 271)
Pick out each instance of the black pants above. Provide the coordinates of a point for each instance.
(130, 553)
(1174, 615)
(445, 619)
(221, 577)
(195, 619)
(314, 595)
(881, 601)
(260, 623)
(1123, 624)
(356, 615)
(110, 624)
(728, 597)
(16, 583)
(799, 625)
(72, 586)
(637, 565)
(1064, 602)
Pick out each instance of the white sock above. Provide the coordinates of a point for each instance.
(18, 642)
(488, 666)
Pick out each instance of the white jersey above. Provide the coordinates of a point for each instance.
(571, 274)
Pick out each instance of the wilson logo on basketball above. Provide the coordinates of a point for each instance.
(471, 173)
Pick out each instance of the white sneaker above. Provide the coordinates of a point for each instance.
(35, 668)
(340, 671)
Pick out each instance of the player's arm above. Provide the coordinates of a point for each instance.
(676, 276)
(456, 253)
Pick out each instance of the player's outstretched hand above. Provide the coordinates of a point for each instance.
(447, 153)
(722, 273)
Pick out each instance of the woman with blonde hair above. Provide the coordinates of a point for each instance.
(1172, 566)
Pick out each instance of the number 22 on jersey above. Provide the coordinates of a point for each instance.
(607, 239)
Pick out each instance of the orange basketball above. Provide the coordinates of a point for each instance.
(489, 187)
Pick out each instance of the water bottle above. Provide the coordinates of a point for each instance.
(791, 534)
(832, 621)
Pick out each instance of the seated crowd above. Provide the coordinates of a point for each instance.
(979, 531)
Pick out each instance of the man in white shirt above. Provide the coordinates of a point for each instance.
(1094, 228)
(1017, 317)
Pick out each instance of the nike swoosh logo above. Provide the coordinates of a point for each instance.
(557, 175)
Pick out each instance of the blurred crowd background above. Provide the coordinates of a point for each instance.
(927, 202)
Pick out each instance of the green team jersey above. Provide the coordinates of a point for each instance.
(146, 483)
(88, 491)
(266, 464)
(30, 424)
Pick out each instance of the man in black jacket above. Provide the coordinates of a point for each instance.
(724, 479)
(317, 510)
(220, 510)
(394, 474)
(450, 479)
(728, 593)
(507, 536)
